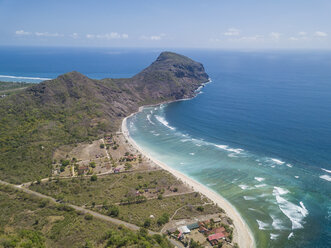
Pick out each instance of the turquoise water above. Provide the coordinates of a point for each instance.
(260, 135)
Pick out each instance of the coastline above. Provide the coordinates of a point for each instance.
(242, 233)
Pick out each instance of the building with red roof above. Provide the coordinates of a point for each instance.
(215, 237)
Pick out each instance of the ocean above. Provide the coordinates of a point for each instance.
(259, 133)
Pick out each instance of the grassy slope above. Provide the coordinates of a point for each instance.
(74, 108)
(27, 221)
(8, 88)
(111, 189)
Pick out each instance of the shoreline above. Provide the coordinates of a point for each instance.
(242, 233)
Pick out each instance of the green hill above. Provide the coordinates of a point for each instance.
(74, 108)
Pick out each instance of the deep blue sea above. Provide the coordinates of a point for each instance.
(259, 134)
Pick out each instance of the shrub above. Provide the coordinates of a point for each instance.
(65, 163)
(163, 219)
(102, 146)
(147, 223)
(113, 211)
(88, 217)
(200, 208)
(94, 178)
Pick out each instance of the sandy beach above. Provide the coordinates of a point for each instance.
(242, 233)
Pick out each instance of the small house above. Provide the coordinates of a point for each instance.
(217, 220)
(193, 226)
(213, 239)
(172, 230)
(184, 229)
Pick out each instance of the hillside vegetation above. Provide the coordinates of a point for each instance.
(9, 88)
(74, 108)
(27, 221)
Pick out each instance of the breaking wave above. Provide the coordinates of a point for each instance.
(326, 177)
(260, 179)
(328, 171)
(295, 213)
(164, 122)
(149, 119)
(277, 161)
(19, 77)
(262, 225)
(227, 148)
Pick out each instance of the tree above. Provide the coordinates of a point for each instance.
(92, 164)
(102, 145)
(200, 208)
(163, 219)
(94, 178)
(113, 211)
(65, 163)
(147, 223)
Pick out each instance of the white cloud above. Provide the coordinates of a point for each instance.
(293, 39)
(74, 35)
(252, 38)
(47, 34)
(152, 37)
(302, 33)
(22, 32)
(275, 35)
(320, 34)
(232, 32)
(90, 36)
(108, 36)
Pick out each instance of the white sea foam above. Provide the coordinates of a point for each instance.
(263, 195)
(326, 177)
(277, 161)
(164, 122)
(273, 236)
(198, 144)
(156, 134)
(262, 225)
(149, 119)
(260, 185)
(303, 209)
(18, 77)
(281, 191)
(243, 186)
(192, 153)
(296, 176)
(294, 212)
(227, 148)
(277, 224)
(328, 171)
(211, 184)
(232, 155)
(260, 179)
(249, 198)
(289, 165)
(290, 235)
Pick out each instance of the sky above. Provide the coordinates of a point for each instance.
(214, 24)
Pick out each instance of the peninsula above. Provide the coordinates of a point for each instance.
(65, 140)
